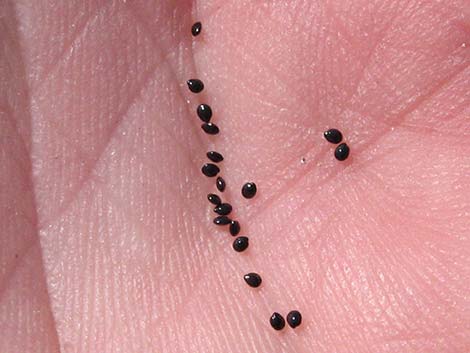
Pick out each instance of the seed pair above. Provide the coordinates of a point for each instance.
(204, 112)
(294, 319)
(335, 136)
(216, 157)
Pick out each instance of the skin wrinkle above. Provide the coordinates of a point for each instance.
(51, 338)
(307, 202)
(121, 117)
(156, 45)
(367, 145)
(375, 47)
(80, 31)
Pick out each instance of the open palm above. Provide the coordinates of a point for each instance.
(107, 243)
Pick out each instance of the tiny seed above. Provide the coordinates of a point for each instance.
(214, 156)
(249, 190)
(240, 244)
(210, 128)
(342, 152)
(223, 209)
(204, 112)
(277, 321)
(220, 183)
(294, 318)
(195, 85)
(333, 136)
(222, 220)
(253, 279)
(234, 228)
(196, 29)
(214, 199)
(210, 170)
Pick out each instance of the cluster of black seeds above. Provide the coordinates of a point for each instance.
(248, 191)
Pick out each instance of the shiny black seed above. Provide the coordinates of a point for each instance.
(220, 183)
(196, 29)
(204, 112)
(234, 228)
(240, 244)
(294, 318)
(277, 321)
(195, 85)
(210, 170)
(223, 209)
(333, 136)
(249, 190)
(214, 156)
(214, 199)
(210, 128)
(222, 220)
(342, 152)
(253, 279)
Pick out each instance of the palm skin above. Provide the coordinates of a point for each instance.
(107, 243)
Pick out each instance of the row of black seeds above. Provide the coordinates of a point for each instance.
(249, 189)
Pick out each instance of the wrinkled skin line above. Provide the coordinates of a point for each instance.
(106, 236)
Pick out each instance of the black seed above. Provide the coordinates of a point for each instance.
(249, 190)
(223, 209)
(253, 279)
(277, 321)
(294, 318)
(220, 183)
(240, 244)
(196, 29)
(222, 220)
(195, 85)
(204, 112)
(214, 199)
(234, 228)
(214, 156)
(333, 136)
(210, 170)
(210, 128)
(342, 152)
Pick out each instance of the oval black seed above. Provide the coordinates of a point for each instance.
(222, 220)
(240, 244)
(249, 190)
(234, 228)
(294, 318)
(342, 152)
(210, 128)
(277, 321)
(333, 136)
(195, 85)
(220, 183)
(214, 199)
(204, 112)
(210, 170)
(215, 157)
(196, 29)
(253, 279)
(223, 209)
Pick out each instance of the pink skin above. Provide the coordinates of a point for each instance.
(106, 237)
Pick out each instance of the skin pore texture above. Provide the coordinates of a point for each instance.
(107, 242)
